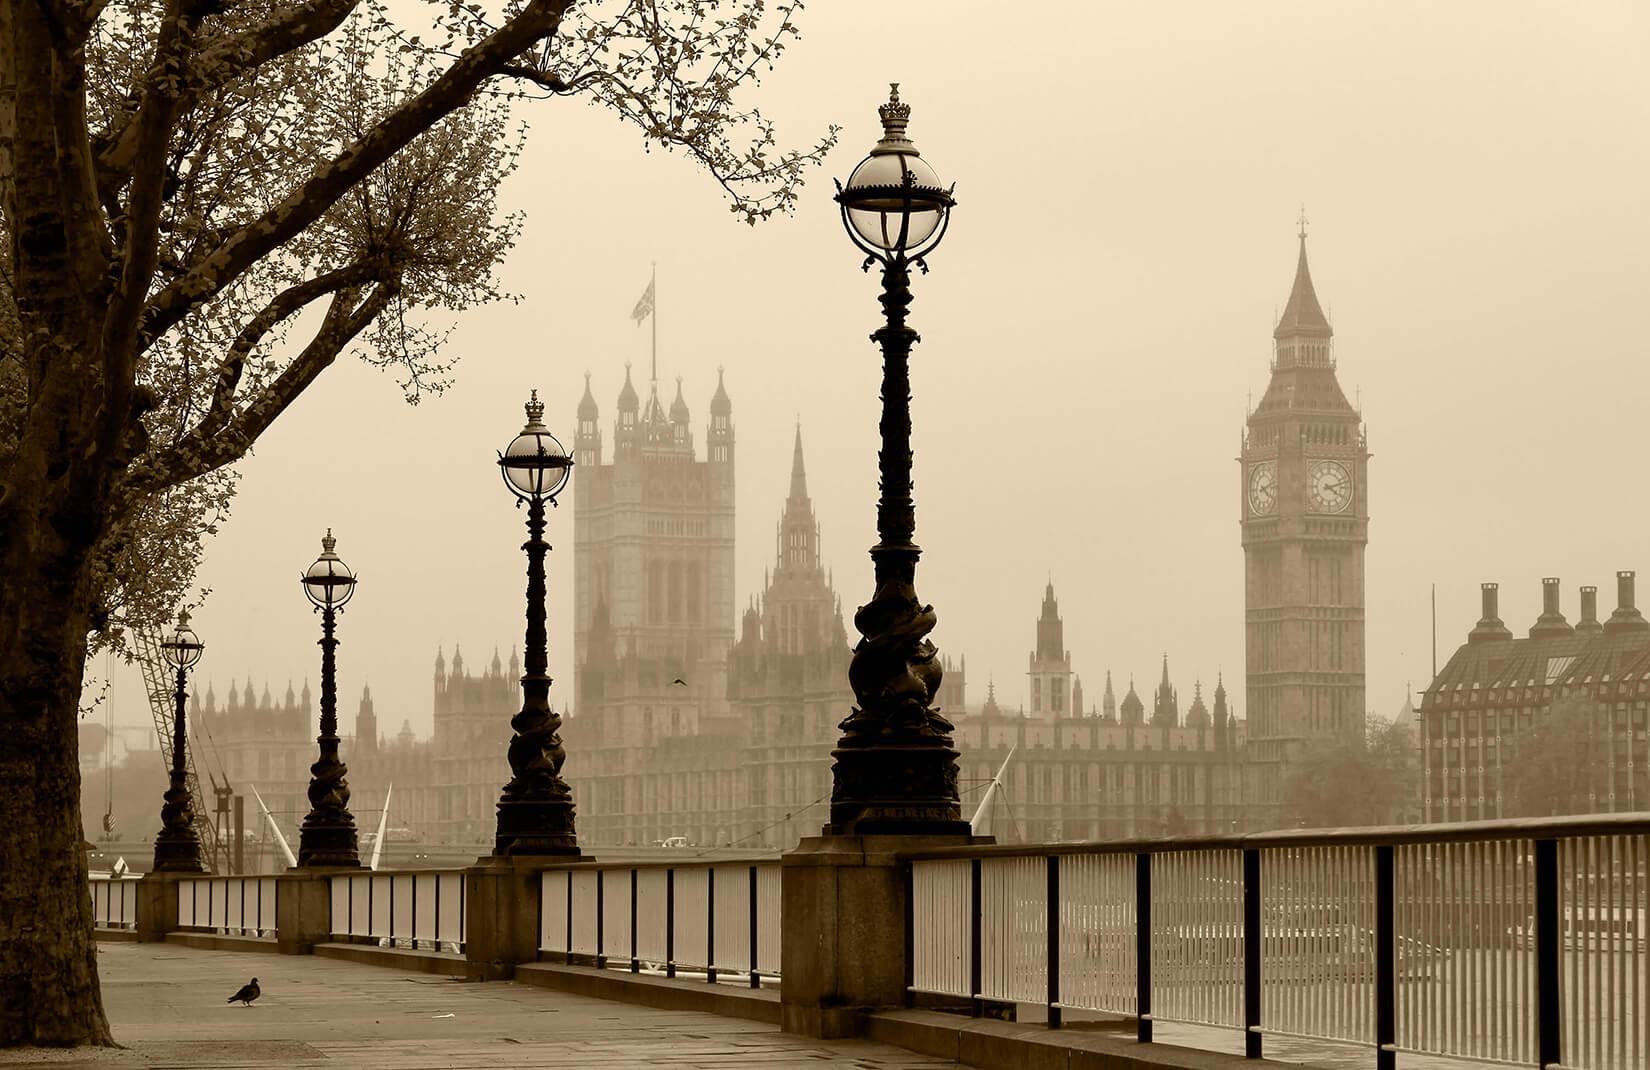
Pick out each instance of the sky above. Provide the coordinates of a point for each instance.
(1096, 322)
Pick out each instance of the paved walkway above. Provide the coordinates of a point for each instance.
(166, 1005)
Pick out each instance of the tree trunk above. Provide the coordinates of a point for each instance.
(48, 959)
(54, 495)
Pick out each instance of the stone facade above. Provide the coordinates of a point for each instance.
(1496, 689)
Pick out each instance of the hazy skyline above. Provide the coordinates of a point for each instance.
(1094, 324)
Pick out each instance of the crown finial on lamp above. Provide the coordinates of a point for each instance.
(328, 543)
(535, 410)
(895, 115)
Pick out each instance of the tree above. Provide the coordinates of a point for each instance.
(1374, 780)
(203, 204)
(1561, 763)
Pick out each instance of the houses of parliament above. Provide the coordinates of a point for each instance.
(692, 719)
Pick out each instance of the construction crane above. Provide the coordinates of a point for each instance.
(161, 684)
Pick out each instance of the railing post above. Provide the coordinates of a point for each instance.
(1053, 865)
(908, 878)
(601, 910)
(670, 922)
(1386, 965)
(412, 941)
(567, 955)
(974, 965)
(756, 975)
(710, 925)
(635, 963)
(1549, 918)
(1252, 1038)
(1143, 947)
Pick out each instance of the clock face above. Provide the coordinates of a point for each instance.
(1329, 487)
(1263, 489)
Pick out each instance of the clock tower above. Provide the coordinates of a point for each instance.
(1305, 520)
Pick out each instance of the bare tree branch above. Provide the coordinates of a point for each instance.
(196, 457)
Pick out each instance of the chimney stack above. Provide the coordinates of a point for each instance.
(1588, 624)
(1489, 629)
(1551, 624)
(1626, 618)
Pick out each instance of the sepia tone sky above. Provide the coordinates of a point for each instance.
(1128, 180)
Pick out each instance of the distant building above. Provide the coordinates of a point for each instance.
(757, 773)
(1496, 688)
(652, 604)
(1305, 523)
(1086, 774)
(257, 743)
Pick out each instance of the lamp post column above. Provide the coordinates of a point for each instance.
(895, 769)
(535, 809)
(177, 847)
(328, 836)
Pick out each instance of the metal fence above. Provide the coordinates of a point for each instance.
(422, 909)
(717, 919)
(1519, 942)
(114, 902)
(232, 906)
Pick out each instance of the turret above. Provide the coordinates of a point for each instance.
(719, 438)
(1198, 716)
(678, 408)
(627, 433)
(366, 723)
(1223, 716)
(1165, 701)
(587, 442)
(798, 530)
(1077, 696)
(1134, 711)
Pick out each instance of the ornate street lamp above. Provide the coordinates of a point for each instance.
(328, 834)
(177, 847)
(535, 810)
(895, 769)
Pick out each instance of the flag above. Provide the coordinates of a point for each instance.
(644, 305)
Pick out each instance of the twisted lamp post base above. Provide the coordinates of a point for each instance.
(328, 837)
(535, 809)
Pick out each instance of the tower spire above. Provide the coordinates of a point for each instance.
(1302, 316)
(799, 474)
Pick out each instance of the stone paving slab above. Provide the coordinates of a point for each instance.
(166, 1005)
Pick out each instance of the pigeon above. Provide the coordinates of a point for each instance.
(679, 682)
(247, 994)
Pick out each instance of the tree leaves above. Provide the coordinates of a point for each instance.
(226, 143)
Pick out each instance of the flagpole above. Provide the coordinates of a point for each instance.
(653, 288)
(1435, 632)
